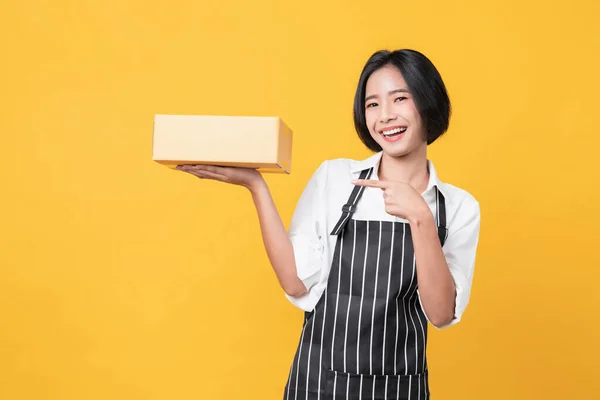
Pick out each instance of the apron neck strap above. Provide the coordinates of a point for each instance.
(350, 206)
(440, 215)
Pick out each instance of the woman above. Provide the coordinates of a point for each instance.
(376, 248)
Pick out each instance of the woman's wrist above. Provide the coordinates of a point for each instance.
(255, 186)
(420, 216)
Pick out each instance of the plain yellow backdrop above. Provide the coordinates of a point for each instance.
(122, 279)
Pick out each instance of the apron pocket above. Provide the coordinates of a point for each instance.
(376, 387)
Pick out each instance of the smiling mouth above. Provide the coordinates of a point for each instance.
(393, 132)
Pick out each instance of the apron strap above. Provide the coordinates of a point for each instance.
(440, 218)
(350, 207)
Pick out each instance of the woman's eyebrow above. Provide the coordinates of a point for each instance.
(402, 90)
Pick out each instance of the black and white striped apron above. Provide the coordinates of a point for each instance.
(366, 337)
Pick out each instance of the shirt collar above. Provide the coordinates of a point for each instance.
(373, 162)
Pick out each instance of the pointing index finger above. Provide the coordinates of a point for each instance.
(370, 183)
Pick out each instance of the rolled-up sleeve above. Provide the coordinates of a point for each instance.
(306, 233)
(460, 249)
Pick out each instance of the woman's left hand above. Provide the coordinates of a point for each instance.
(401, 200)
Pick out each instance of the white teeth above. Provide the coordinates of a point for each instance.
(394, 131)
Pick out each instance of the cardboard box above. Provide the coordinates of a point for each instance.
(263, 143)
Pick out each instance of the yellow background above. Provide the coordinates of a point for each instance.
(122, 279)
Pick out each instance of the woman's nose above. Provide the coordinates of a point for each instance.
(386, 114)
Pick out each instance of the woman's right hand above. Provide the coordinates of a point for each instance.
(247, 177)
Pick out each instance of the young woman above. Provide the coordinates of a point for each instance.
(376, 248)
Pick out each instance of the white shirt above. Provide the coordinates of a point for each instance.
(320, 207)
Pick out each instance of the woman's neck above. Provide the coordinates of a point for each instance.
(411, 168)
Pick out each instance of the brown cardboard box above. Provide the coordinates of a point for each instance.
(264, 143)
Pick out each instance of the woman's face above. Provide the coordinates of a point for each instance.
(391, 114)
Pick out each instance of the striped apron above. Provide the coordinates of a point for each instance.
(367, 335)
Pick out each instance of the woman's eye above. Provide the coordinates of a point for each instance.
(400, 98)
(371, 105)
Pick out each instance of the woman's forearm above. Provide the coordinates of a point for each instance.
(276, 240)
(436, 285)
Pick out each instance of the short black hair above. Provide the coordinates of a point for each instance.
(425, 85)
